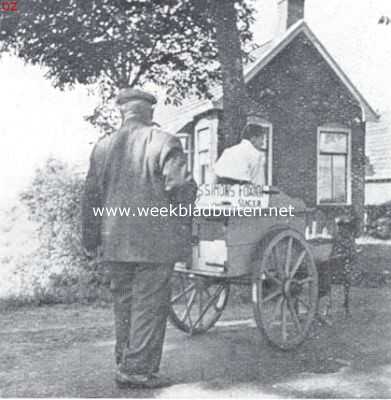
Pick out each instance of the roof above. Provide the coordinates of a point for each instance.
(301, 26)
(263, 56)
(378, 148)
(175, 118)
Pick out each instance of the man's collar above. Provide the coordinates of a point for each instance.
(248, 144)
(132, 116)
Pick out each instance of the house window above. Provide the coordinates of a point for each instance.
(333, 166)
(204, 158)
(185, 139)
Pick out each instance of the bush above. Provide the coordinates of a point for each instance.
(377, 211)
(56, 270)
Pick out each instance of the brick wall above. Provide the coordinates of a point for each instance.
(298, 92)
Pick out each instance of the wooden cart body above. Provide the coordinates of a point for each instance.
(228, 246)
(268, 251)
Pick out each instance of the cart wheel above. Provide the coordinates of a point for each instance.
(196, 302)
(285, 289)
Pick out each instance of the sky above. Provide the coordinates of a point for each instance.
(38, 121)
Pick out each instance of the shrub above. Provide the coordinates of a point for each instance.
(56, 269)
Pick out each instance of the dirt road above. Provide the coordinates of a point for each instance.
(68, 351)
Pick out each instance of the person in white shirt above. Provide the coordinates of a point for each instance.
(246, 161)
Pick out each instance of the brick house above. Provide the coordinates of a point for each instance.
(314, 116)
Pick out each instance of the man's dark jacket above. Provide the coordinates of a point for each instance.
(139, 166)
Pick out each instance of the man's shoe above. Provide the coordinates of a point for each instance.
(154, 381)
(124, 380)
(158, 381)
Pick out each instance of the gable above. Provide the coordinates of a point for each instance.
(301, 28)
(301, 84)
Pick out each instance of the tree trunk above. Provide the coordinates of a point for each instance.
(235, 99)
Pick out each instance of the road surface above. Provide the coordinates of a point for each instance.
(67, 351)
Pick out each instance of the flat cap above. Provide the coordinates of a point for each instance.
(126, 95)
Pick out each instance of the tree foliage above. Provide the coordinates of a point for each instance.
(122, 43)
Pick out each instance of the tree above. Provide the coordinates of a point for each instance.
(237, 104)
(121, 43)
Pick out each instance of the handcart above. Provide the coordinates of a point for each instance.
(268, 252)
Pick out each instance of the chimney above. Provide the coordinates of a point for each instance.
(289, 12)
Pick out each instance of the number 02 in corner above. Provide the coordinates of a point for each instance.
(8, 6)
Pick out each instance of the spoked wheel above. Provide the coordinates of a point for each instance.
(285, 289)
(196, 302)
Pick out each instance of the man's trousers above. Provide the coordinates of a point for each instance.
(141, 293)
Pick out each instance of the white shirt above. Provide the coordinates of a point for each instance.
(242, 162)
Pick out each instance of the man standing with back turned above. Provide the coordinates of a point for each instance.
(140, 166)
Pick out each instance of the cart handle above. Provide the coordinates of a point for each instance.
(211, 264)
(270, 190)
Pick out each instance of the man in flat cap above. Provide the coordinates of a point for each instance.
(140, 166)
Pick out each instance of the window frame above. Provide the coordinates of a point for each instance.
(269, 125)
(189, 151)
(335, 129)
(203, 125)
(204, 169)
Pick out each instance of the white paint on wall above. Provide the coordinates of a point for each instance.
(377, 193)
